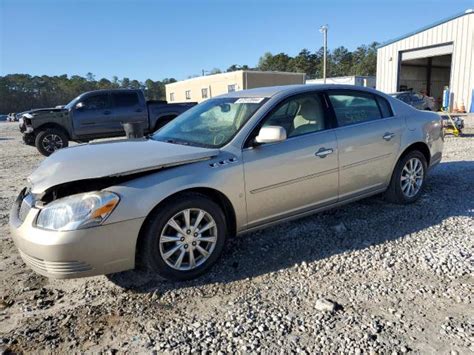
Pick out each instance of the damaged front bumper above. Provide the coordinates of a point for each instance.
(24, 126)
(28, 132)
(91, 251)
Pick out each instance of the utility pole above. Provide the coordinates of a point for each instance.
(324, 30)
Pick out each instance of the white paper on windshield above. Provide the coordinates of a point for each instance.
(249, 100)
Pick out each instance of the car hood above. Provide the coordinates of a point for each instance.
(114, 158)
(39, 111)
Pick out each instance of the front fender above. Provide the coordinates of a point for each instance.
(140, 196)
(59, 120)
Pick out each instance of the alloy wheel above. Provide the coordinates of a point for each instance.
(188, 239)
(52, 142)
(412, 177)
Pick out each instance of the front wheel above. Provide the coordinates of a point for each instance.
(183, 238)
(408, 179)
(29, 139)
(49, 140)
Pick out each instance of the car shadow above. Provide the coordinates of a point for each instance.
(355, 226)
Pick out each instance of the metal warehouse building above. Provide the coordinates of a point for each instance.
(438, 55)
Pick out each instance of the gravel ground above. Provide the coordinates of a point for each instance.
(369, 277)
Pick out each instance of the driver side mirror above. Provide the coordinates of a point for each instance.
(271, 134)
(80, 105)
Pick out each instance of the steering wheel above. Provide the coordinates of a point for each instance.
(219, 138)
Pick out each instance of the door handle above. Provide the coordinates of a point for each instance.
(324, 152)
(107, 112)
(388, 135)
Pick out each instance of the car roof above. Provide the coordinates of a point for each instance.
(401, 93)
(270, 91)
(100, 91)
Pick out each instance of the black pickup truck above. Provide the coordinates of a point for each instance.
(93, 115)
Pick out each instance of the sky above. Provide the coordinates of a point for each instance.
(142, 39)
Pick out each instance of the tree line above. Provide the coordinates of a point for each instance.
(20, 92)
(340, 62)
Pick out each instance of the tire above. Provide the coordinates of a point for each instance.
(49, 140)
(401, 192)
(29, 139)
(161, 246)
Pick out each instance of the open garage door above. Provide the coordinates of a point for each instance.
(427, 70)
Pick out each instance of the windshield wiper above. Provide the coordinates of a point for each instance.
(183, 142)
(173, 141)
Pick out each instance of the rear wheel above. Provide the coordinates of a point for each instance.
(183, 238)
(408, 178)
(49, 140)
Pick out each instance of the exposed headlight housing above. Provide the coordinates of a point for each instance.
(78, 211)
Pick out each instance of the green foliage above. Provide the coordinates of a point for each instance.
(236, 67)
(215, 71)
(340, 62)
(277, 62)
(20, 92)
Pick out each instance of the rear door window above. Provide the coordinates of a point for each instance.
(354, 107)
(125, 99)
(385, 107)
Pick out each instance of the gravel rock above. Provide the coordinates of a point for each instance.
(404, 275)
(325, 305)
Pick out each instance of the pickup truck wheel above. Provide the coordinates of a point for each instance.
(49, 140)
(184, 238)
(29, 139)
(408, 179)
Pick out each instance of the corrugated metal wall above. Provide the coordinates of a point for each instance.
(460, 31)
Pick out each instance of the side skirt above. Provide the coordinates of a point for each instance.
(312, 211)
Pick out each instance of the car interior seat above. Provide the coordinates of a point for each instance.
(309, 118)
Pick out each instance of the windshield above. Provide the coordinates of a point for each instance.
(71, 104)
(211, 124)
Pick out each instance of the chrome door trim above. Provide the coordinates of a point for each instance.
(369, 122)
(293, 181)
(365, 161)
